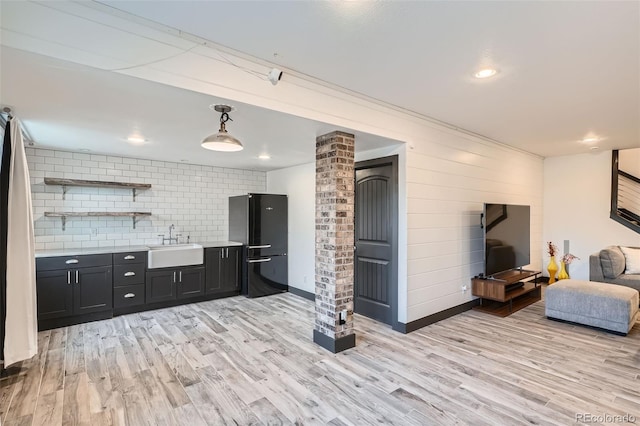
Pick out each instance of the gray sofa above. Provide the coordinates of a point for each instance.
(608, 266)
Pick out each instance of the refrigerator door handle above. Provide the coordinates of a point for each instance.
(259, 247)
(268, 259)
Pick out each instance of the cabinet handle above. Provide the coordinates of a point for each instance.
(68, 277)
(257, 247)
(129, 257)
(129, 295)
(71, 261)
(129, 274)
(227, 252)
(268, 259)
(77, 276)
(174, 276)
(180, 276)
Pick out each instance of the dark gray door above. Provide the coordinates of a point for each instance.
(375, 289)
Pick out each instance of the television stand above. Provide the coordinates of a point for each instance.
(506, 292)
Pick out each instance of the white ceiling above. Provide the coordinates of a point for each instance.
(74, 107)
(567, 69)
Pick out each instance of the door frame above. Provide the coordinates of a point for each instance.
(392, 161)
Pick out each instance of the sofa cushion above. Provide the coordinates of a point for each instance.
(628, 280)
(612, 261)
(632, 259)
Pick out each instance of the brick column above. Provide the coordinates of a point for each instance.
(334, 241)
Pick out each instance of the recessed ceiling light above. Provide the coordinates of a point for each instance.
(264, 156)
(486, 73)
(136, 139)
(590, 139)
(594, 148)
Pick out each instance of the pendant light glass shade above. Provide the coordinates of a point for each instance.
(222, 141)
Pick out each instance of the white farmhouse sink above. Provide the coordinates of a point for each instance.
(174, 255)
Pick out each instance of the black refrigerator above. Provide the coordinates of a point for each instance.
(259, 222)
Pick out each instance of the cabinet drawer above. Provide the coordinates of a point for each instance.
(128, 274)
(131, 295)
(127, 258)
(65, 262)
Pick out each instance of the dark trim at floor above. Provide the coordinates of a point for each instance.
(334, 345)
(298, 292)
(172, 303)
(430, 319)
(48, 324)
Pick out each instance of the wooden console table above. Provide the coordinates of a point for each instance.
(506, 292)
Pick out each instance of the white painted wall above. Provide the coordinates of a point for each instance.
(193, 198)
(299, 183)
(629, 161)
(577, 197)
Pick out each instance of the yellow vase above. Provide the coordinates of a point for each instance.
(552, 268)
(563, 274)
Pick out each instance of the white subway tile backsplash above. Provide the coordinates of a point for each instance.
(192, 197)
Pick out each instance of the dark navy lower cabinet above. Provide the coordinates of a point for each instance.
(73, 290)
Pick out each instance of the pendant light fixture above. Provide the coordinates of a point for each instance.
(222, 141)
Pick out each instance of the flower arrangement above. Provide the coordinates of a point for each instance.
(568, 258)
(552, 249)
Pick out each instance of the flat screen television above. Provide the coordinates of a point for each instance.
(507, 230)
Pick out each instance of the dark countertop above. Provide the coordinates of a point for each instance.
(120, 249)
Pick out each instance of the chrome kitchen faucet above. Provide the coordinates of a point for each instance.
(171, 238)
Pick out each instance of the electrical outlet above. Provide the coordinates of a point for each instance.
(94, 232)
(305, 279)
(465, 288)
(343, 317)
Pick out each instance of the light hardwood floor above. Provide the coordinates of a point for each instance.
(251, 361)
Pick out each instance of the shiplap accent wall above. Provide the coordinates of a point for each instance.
(194, 198)
(449, 178)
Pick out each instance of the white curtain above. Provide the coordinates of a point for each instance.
(21, 326)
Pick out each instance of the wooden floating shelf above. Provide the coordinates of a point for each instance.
(64, 215)
(69, 214)
(95, 184)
